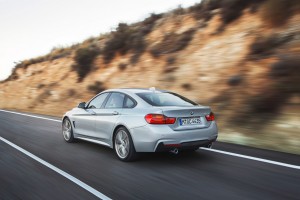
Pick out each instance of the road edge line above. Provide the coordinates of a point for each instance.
(252, 158)
(34, 116)
(59, 171)
(203, 148)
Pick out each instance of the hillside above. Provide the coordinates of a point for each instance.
(239, 57)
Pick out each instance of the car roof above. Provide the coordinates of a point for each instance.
(136, 90)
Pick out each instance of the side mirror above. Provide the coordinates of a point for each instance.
(81, 105)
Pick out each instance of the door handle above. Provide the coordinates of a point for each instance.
(115, 113)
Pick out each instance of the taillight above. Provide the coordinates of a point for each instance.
(210, 117)
(159, 119)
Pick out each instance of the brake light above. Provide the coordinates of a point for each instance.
(210, 117)
(159, 119)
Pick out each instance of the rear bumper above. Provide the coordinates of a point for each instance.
(153, 138)
(162, 147)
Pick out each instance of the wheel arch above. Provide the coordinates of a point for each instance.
(67, 117)
(115, 131)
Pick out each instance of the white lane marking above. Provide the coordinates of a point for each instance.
(207, 149)
(253, 158)
(61, 172)
(34, 116)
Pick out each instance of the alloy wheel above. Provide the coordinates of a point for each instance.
(122, 144)
(67, 129)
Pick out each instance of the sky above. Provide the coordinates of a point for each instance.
(30, 28)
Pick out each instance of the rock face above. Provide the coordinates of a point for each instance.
(228, 67)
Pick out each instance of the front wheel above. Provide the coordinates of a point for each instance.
(67, 131)
(123, 145)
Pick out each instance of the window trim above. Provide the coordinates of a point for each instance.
(123, 105)
(106, 100)
(175, 94)
(87, 107)
(132, 99)
(107, 97)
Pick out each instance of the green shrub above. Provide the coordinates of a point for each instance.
(233, 9)
(203, 10)
(129, 38)
(179, 10)
(116, 43)
(44, 95)
(184, 39)
(170, 78)
(186, 86)
(149, 23)
(24, 64)
(51, 56)
(265, 45)
(125, 38)
(169, 67)
(155, 52)
(230, 10)
(173, 42)
(41, 85)
(97, 87)
(152, 18)
(287, 68)
(171, 60)
(57, 53)
(235, 80)
(286, 82)
(137, 45)
(135, 57)
(84, 58)
(71, 92)
(32, 61)
(277, 12)
(122, 66)
(13, 76)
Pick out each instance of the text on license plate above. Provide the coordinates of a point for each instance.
(190, 121)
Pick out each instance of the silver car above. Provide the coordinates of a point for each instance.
(141, 120)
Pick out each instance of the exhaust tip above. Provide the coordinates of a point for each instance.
(174, 151)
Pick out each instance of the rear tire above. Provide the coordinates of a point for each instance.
(67, 131)
(123, 145)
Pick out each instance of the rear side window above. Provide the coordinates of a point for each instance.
(129, 103)
(165, 99)
(115, 100)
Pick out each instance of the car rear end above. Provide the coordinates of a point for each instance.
(173, 126)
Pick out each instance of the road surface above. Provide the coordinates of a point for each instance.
(86, 168)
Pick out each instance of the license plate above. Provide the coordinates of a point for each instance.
(190, 121)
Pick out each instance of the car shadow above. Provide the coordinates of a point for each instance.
(160, 158)
(95, 147)
(181, 157)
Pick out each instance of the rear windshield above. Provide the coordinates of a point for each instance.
(165, 99)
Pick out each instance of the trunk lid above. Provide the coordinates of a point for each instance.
(184, 114)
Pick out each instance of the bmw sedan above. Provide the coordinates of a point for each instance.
(141, 120)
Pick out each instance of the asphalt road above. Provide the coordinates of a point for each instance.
(200, 175)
